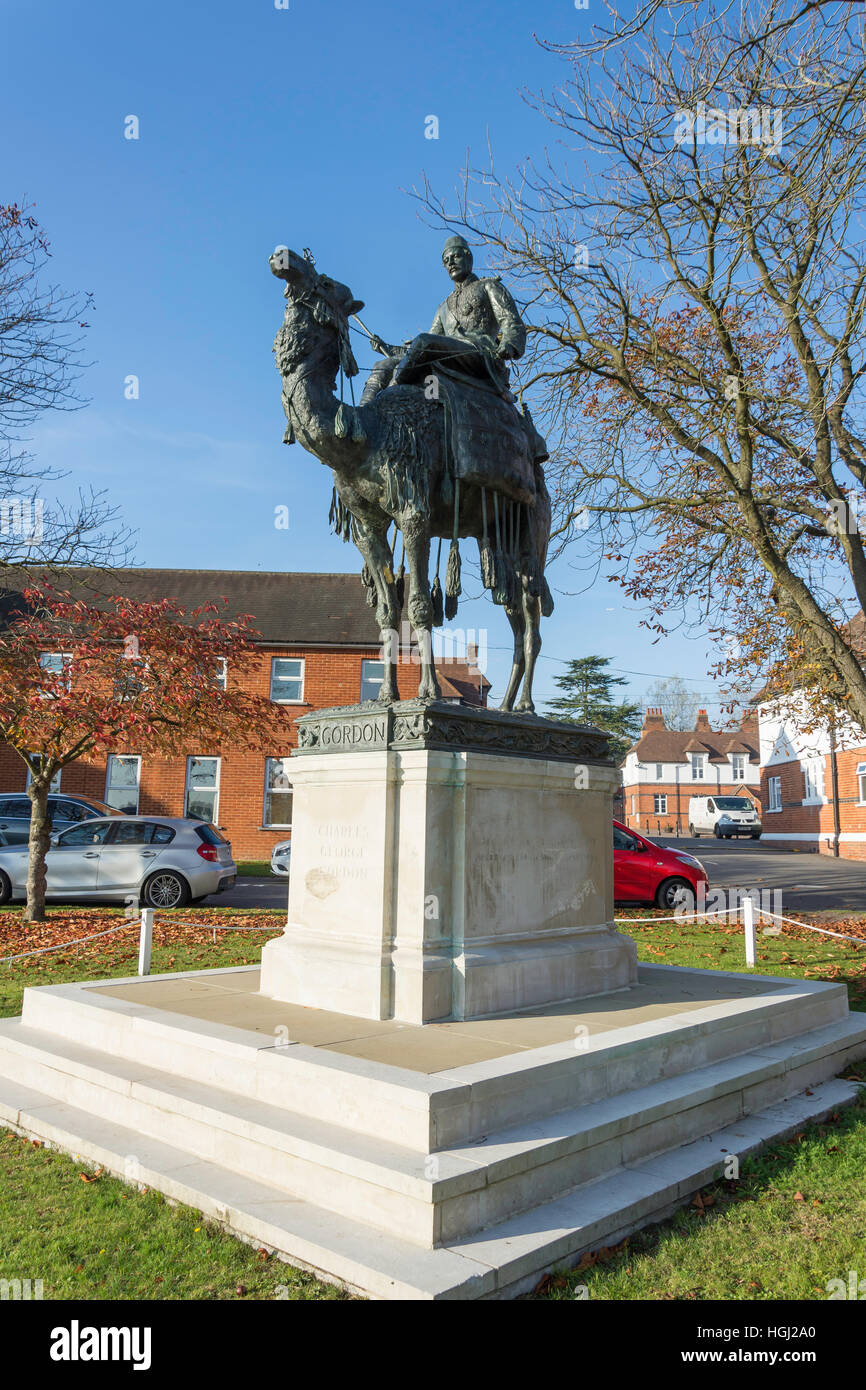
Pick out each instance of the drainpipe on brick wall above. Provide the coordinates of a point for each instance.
(834, 784)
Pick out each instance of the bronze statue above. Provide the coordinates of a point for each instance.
(436, 445)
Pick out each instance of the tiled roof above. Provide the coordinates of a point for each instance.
(662, 745)
(308, 609)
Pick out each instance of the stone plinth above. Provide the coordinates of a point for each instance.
(447, 863)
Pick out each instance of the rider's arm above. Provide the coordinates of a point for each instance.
(512, 333)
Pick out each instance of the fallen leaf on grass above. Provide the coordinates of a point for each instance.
(91, 1177)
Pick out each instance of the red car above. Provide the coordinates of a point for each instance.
(644, 872)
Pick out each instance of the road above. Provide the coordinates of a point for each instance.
(805, 882)
(269, 892)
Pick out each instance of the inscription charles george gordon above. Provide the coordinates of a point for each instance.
(343, 849)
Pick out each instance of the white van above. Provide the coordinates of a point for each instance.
(724, 816)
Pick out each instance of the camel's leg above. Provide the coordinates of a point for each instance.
(373, 545)
(417, 539)
(531, 648)
(518, 628)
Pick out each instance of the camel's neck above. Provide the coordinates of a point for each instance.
(311, 406)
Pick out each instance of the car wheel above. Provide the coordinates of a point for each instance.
(5, 888)
(166, 889)
(676, 892)
(694, 834)
(755, 837)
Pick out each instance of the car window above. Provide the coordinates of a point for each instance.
(19, 806)
(90, 833)
(710, 805)
(621, 840)
(162, 835)
(134, 832)
(6, 807)
(210, 835)
(71, 810)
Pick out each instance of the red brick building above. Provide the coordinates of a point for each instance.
(319, 647)
(813, 782)
(666, 767)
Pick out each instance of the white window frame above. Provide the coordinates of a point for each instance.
(738, 767)
(774, 794)
(302, 664)
(698, 762)
(371, 661)
(221, 672)
(660, 810)
(108, 762)
(813, 782)
(201, 757)
(659, 772)
(65, 658)
(55, 781)
(861, 783)
(275, 825)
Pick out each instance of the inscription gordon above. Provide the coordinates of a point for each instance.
(352, 733)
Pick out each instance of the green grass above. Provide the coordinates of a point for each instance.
(174, 949)
(102, 1239)
(254, 868)
(794, 1219)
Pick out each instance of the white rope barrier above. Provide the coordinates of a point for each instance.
(142, 924)
(65, 945)
(858, 940)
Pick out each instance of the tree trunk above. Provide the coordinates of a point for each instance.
(40, 840)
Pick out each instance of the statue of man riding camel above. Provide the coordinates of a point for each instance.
(477, 330)
(437, 447)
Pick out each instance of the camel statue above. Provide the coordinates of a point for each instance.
(394, 459)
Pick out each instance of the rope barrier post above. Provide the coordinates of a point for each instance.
(145, 940)
(749, 929)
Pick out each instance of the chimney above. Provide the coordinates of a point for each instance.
(702, 723)
(653, 719)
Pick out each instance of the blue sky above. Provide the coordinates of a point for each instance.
(261, 126)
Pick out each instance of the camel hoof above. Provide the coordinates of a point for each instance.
(526, 707)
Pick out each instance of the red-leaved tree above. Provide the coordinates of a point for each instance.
(76, 679)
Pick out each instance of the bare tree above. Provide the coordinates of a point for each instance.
(697, 292)
(41, 331)
(677, 703)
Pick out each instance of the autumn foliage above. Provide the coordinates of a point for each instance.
(77, 679)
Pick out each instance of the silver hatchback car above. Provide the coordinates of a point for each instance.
(160, 861)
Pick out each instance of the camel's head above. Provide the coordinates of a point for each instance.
(315, 297)
(304, 281)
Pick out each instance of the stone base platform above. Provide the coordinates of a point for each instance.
(458, 1160)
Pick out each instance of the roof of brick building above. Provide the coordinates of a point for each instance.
(659, 744)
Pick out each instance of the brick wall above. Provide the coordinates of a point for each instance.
(331, 677)
(812, 826)
(639, 804)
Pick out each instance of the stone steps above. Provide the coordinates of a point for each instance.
(446, 1109)
(432, 1198)
(501, 1261)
